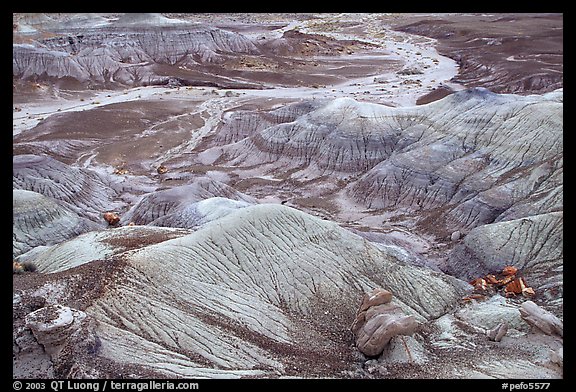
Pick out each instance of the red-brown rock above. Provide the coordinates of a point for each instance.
(509, 270)
(112, 218)
(515, 287)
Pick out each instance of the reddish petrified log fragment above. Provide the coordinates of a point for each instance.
(112, 218)
(506, 279)
(509, 270)
(491, 279)
(479, 284)
(515, 287)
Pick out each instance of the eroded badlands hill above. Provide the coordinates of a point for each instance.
(232, 299)
(150, 49)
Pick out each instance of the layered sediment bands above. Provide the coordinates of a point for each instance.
(534, 245)
(178, 206)
(192, 215)
(294, 42)
(64, 150)
(529, 190)
(158, 50)
(81, 190)
(479, 155)
(238, 125)
(474, 157)
(247, 289)
(541, 192)
(342, 135)
(39, 220)
(161, 218)
(125, 55)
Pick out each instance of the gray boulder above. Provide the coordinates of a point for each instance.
(53, 325)
(541, 319)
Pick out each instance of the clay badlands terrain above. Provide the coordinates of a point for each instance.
(288, 196)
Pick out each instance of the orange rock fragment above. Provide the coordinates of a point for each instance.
(479, 284)
(112, 218)
(506, 280)
(509, 270)
(17, 267)
(375, 297)
(491, 279)
(515, 287)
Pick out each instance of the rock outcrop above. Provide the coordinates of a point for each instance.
(53, 325)
(247, 291)
(68, 336)
(378, 321)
